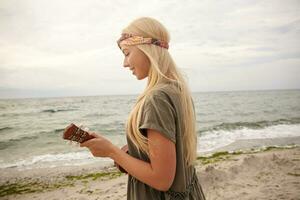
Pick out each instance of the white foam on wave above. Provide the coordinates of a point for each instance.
(53, 160)
(221, 138)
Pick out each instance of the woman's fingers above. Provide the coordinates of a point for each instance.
(94, 134)
(99, 146)
(86, 143)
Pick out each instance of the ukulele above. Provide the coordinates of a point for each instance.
(76, 134)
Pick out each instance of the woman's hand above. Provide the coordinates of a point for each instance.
(99, 146)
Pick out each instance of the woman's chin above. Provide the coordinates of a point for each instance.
(141, 78)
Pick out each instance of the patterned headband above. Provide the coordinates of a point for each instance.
(130, 39)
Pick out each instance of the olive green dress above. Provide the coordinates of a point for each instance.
(165, 118)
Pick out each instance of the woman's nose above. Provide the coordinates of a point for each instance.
(125, 63)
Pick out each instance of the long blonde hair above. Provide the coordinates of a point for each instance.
(162, 70)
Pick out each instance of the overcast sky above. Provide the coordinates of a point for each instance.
(68, 48)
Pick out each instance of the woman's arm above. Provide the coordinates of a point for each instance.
(160, 172)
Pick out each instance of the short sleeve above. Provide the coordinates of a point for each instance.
(159, 114)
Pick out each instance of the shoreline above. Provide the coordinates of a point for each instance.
(252, 144)
(83, 182)
(241, 144)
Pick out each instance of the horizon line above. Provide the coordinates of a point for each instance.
(133, 94)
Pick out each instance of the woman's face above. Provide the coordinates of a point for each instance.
(137, 61)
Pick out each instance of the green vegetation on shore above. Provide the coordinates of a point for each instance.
(293, 174)
(95, 176)
(69, 181)
(29, 187)
(225, 155)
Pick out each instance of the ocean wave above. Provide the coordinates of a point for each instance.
(250, 125)
(65, 159)
(56, 110)
(100, 115)
(9, 114)
(58, 130)
(220, 138)
(50, 132)
(5, 128)
(23, 138)
(13, 141)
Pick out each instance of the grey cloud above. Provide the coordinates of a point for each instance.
(78, 38)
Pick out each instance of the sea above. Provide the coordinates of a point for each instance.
(31, 128)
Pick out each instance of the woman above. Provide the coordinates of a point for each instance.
(161, 135)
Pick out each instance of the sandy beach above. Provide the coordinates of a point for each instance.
(269, 173)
